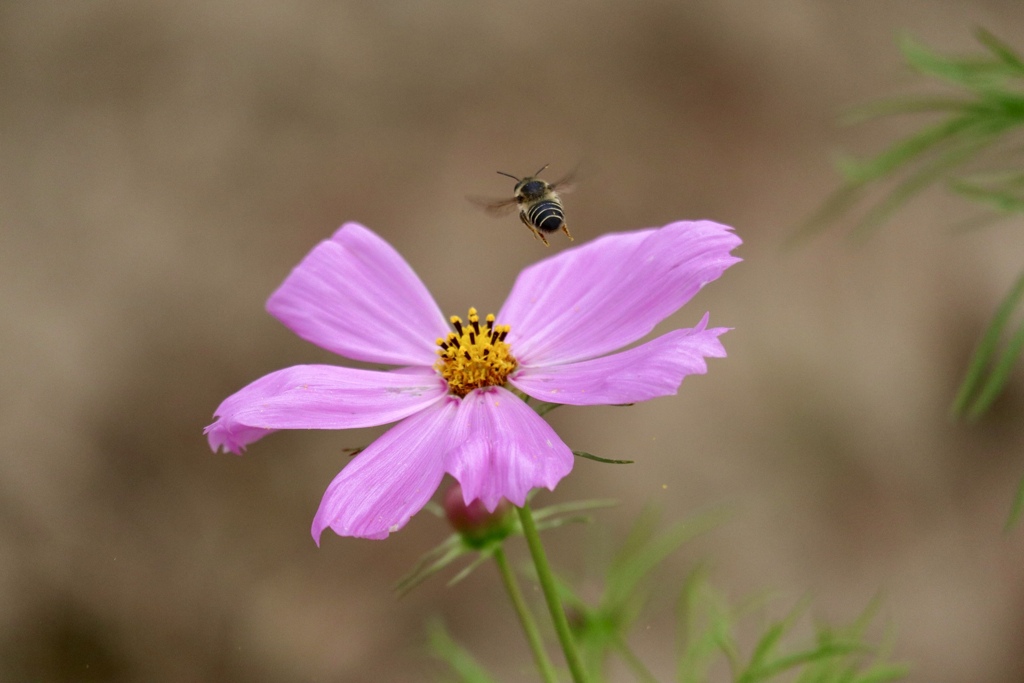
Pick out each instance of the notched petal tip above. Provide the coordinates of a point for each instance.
(228, 437)
(506, 451)
(320, 397)
(591, 300)
(648, 371)
(355, 295)
(319, 527)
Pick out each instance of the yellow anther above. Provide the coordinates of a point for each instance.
(475, 356)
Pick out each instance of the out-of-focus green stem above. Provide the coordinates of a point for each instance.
(547, 670)
(547, 584)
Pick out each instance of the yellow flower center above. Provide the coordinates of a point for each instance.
(475, 355)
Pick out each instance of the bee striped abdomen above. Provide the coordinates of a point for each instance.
(546, 215)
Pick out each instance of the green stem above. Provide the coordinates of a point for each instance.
(547, 670)
(547, 584)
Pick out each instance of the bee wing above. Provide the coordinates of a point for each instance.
(566, 183)
(495, 207)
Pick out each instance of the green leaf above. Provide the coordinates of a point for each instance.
(792, 661)
(707, 628)
(463, 663)
(563, 521)
(905, 151)
(859, 174)
(643, 552)
(571, 507)
(1000, 50)
(591, 456)
(968, 401)
(1018, 507)
(766, 645)
(469, 569)
(975, 72)
(999, 376)
(1004, 194)
(921, 179)
(432, 562)
(931, 63)
(704, 620)
(910, 105)
(989, 104)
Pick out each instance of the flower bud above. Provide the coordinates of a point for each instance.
(473, 522)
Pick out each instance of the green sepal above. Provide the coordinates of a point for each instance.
(457, 545)
(543, 407)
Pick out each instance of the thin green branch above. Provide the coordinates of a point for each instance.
(548, 586)
(540, 655)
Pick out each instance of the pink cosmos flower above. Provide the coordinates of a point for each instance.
(452, 392)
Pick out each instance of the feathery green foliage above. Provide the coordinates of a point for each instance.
(455, 546)
(601, 630)
(987, 109)
(977, 125)
(708, 626)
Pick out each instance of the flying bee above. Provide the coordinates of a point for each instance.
(540, 207)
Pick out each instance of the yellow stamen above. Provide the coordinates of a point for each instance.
(475, 355)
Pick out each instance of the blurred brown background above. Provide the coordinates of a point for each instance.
(165, 164)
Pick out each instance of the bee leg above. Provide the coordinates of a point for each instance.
(565, 229)
(537, 234)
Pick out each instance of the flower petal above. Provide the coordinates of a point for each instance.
(648, 371)
(604, 295)
(505, 449)
(320, 397)
(389, 481)
(356, 296)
